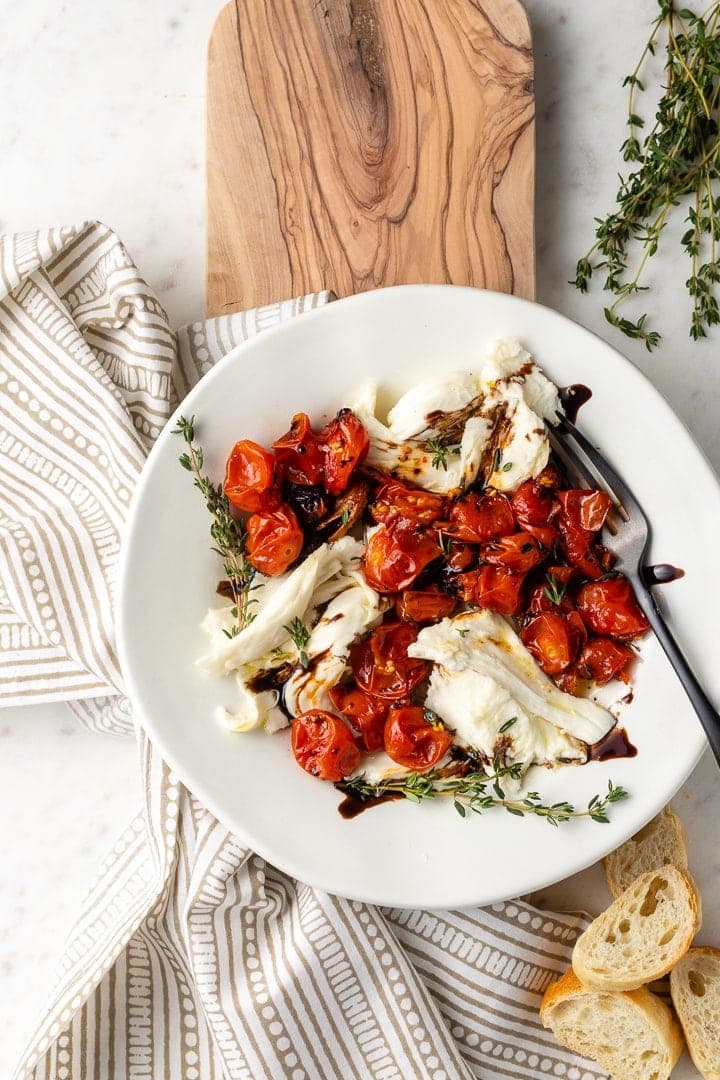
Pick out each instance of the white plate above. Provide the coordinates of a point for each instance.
(400, 854)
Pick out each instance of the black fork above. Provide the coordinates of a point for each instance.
(631, 539)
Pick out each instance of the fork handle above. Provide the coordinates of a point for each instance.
(706, 711)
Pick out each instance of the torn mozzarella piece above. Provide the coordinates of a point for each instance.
(350, 615)
(252, 710)
(377, 767)
(489, 646)
(524, 446)
(411, 416)
(277, 601)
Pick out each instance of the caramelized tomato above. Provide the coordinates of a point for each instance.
(365, 712)
(381, 665)
(519, 552)
(274, 540)
(345, 445)
(477, 519)
(609, 607)
(534, 501)
(324, 746)
(585, 509)
(250, 476)
(299, 453)
(582, 514)
(603, 659)
(499, 589)
(394, 500)
(412, 741)
(554, 640)
(424, 605)
(396, 553)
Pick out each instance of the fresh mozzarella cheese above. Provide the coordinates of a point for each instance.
(378, 767)
(524, 449)
(276, 602)
(408, 418)
(251, 710)
(488, 720)
(350, 615)
(484, 642)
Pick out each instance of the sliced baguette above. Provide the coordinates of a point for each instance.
(660, 843)
(631, 1035)
(695, 989)
(642, 935)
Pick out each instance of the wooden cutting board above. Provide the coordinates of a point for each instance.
(353, 144)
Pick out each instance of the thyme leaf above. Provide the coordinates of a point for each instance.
(299, 633)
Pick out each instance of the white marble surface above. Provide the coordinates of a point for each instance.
(102, 116)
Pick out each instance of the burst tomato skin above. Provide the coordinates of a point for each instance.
(461, 557)
(299, 452)
(274, 540)
(582, 514)
(603, 659)
(366, 713)
(424, 605)
(381, 665)
(394, 499)
(397, 553)
(585, 508)
(519, 552)
(477, 519)
(250, 477)
(534, 501)
(345, 444)
(609, 608)
(324, 746)
(499, 589)
(554, 640)
(411, 741)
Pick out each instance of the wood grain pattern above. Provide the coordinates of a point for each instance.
(353, 144)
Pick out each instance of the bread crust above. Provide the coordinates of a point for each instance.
(698, 1046)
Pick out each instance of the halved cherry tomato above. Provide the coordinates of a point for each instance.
(324, 746)
(603, 659)
(250, 476)
(299, 452)
(345, 444)
(381, 665)
(478, 519)
(499, 589)
(396, 553)
(586, 509)
(554, 640)
(274, 540)
(412, 741)
(394, 499)
(424, 605)
(609, 607)
(366, 713)
(519, 552)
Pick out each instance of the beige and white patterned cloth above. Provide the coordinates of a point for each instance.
(192, 959)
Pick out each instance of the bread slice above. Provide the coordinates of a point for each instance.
(631, 1035)
(662, 841)
(642, 935)
(695, 989)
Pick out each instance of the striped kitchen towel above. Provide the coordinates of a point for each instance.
(192, 959)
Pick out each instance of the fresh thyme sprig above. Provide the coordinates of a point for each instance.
(300, 635)
(677, 162)
(470, 794)
(226, 531)
(440, 450)
(555, 590)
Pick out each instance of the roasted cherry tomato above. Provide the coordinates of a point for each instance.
(396, 553)
(519, 552)
(534, 501)
(586, 509)
(461, 556)
(547, 535)
(345, 445)
(603, 659)
(381, 665)
(551, 594)
(609, 607)
(250, 476)
(498, 589)
(412, 741)
(274, 540)
(324, 746)
(554, 640)
(478, 519)
(299, 452)
(394, 500)
(366, 713)
(424, 605)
